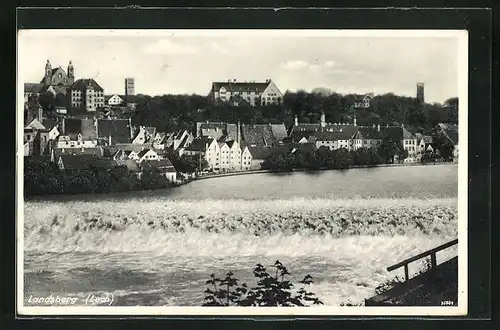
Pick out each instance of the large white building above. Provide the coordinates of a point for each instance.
(87, 94)
(252, 93)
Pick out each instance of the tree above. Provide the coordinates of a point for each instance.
(362, 156)
(271, 290)
(47, 101)
(443, 145)
(389, 148)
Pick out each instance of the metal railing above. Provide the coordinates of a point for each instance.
(431, 253)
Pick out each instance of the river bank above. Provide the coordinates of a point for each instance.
(219, 175)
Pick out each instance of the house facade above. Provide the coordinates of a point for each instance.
(147, 155)
(86, 94)
(252, 93)
(113, 100)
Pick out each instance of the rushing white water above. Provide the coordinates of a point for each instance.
(155, 251)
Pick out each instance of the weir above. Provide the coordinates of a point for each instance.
(438, 286)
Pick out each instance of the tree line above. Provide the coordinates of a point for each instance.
(387, 152)
(43, 177)
(173, 112)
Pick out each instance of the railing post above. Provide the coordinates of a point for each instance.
(406, 273)
(433, 260)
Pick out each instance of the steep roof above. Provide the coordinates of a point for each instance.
(307, 147)
(151, 130)
(118, 129)
(394, 132)
(159, 137)
(370, 133)
(199, 144)
(76, 151)
(299, 135)
(260, 152)
(89, 131)
(164, 165)
(279, 131)
(49, 123)
(143, 152)
(81, 84)
(407, 134)
(78, 162)
(240, 86)
(72, 126)
(451, 131)
(183, 142)
(33, 88)
(131, 165)
(259, 135)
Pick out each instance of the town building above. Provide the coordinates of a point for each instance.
(365, 102)
(450, 131)
(87, 94)
(144, 135)
(74, 163)
(113, 100)
(146, 155)
(420, 93)
(114, 131)
(55, 80)
(164, 167)
(129, 87)
(235, 161)
(252, 93)
(367, 137)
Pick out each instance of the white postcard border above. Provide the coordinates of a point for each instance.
(460, 309)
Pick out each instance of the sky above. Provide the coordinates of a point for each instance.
(176, 63)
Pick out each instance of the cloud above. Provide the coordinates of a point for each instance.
(330, 64)
(167, 47)
(303, 65)
(295, 65)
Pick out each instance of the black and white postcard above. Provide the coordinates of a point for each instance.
(235, 172)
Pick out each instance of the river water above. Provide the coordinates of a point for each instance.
(157, 248)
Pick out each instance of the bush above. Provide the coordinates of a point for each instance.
(270, 290)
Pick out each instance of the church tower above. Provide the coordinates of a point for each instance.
(48, 73)
(71, 74)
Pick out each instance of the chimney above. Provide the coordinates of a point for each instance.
(378, 127)
(130, 127)
(109, 139)
(63, 126)
(355, 121)
(40, 114)
(374, 126)
(296, 120)
(402, 125)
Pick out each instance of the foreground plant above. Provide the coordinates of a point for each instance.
(271, 290)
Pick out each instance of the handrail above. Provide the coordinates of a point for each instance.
(431, 252)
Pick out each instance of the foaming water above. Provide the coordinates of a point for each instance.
(160, 252)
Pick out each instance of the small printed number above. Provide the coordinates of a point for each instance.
(447, 303)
